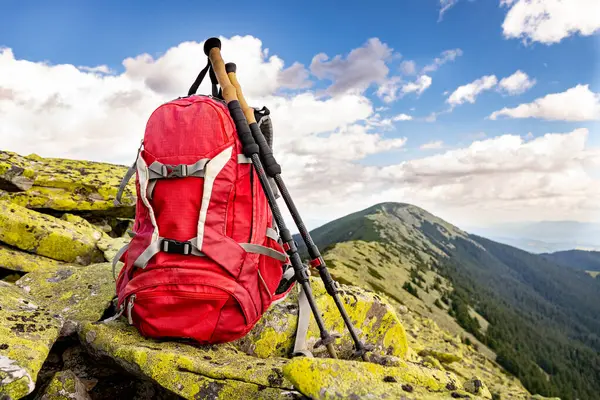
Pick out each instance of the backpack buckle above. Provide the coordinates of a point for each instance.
(176, 247)
(174, 171)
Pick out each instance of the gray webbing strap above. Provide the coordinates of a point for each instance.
(116, 259)
(127, 177)
(304, 310)
(150, 190)
(266, 251)
(162, 245)
(130, 172)
(272, 233)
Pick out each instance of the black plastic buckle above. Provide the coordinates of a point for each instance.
(172, 246)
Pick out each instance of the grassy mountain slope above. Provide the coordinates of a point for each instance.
(578, 259)
(541, 319)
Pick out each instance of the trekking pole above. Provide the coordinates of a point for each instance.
(212, 48)
(273, 169)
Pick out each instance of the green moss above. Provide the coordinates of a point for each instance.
(335, 379)
(65, 185)
(374, 319)
(189, 371)
(46, 236)
(15, 260)
(76, 293)
(65, 385)
(27, 332)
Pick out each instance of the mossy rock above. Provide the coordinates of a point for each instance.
(77, 294)
(193, 372)
(444, 358)
(47, 236)
(65, 385)
(373, 318)
(64, 185)
(344, 379)
(16, 260)
(27, 332)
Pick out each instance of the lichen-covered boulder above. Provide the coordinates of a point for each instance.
(64, 185)
(77, 294)
(320, 378)
(476, 386)
(111, 246)
(16, 260)
(65, 385)
(373, 318)
(47, 236)
(27, 332)
(193, 372)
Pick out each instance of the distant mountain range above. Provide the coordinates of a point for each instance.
(545, 236)
(541, 318)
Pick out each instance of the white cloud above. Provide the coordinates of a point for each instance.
(388, 91)
(402, 117)
(446, 56)
(408, 67)
(550, 21)
(294, 77)
(361, 68)
(445, 5)
(517, 83)
(578, 103)
(438, 144)
(101, 69)
(469, 92)
(418, 86)
(63, 111)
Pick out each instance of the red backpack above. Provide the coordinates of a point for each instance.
(205, 259)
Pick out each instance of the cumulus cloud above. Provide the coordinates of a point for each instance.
(469, 92)
(517, 83)
(550, 21)
(361, 68)
(323, 143)
(438, 144)
(402, 117)
(506, 175)
(389, 90)
(446, 56)
(418, 86)
(578, 103)
(408, 67)
(294, 77)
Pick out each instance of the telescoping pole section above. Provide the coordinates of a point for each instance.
(273, 169)
(212, 48)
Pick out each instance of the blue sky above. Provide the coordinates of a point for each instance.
(85, 33)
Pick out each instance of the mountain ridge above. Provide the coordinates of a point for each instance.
(488, 281)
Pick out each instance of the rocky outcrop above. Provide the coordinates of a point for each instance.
(27, 332)
(75, 294)
(64, 185)
(47, 236)
(59, 230)
(65, 385)
(372, 317)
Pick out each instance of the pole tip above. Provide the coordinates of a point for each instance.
(230, 67)
(210, 44)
